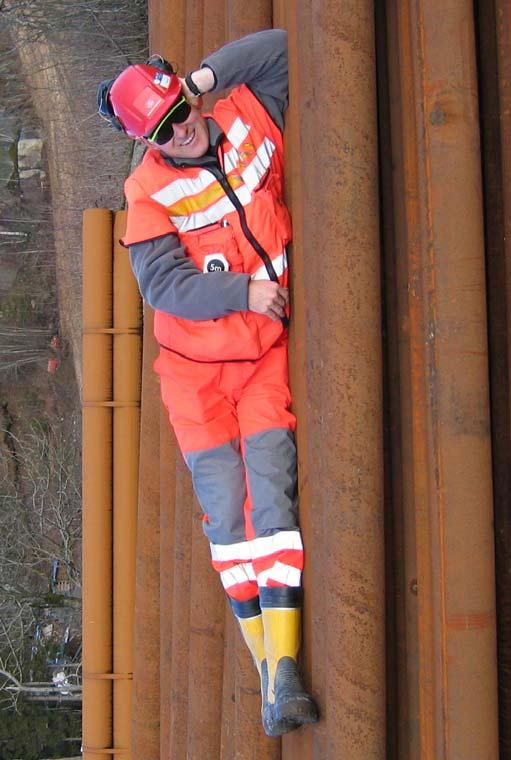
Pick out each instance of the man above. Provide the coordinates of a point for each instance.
(207, 233)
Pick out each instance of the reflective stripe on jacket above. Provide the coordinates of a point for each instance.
(229, 215)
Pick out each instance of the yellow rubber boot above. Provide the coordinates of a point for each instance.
(286, 696)
(248, 615)
(253, 635)
(281, 639)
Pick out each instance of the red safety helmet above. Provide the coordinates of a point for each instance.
(140, 97)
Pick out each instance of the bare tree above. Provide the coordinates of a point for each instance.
(40, 517)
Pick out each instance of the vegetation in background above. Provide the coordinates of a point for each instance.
(52, 56)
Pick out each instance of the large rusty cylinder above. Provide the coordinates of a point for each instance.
(445, 454)
(180, 684)
(214, 26)
(299, 743)
(167, 463)
(205, 644)
(194, 34)
(250, 739)
(244, 18)
(146, 659)
(228, 743)
(97, 482)
(334, 203)
(166, 31)
(493, 30)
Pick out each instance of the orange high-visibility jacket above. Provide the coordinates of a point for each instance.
(229, 216)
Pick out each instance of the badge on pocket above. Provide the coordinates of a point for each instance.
(215, 262)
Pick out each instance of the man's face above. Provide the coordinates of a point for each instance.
(190, 140)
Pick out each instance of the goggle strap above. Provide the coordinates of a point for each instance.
(162, 122)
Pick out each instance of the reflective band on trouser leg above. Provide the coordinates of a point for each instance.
(218, 476)
(275, 560)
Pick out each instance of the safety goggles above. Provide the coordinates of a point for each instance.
(164, 132)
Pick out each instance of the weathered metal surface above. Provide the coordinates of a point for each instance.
(180, 660)
(97, 482)
(299, 743)
(244, 18)
(338, 376)
(146, 661)
(450, 648)
(205, 643)
(167, 514)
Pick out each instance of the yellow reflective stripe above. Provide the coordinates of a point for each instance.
(212, 214)
(203, 200)
(183, 187)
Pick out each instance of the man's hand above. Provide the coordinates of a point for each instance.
(204, 79)
(268, 298)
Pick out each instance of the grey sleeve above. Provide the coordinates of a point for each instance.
(170, 281)
(260, 61)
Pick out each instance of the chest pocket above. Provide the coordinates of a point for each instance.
(214, 248)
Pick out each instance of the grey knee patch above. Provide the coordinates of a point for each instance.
(218, 476)
(270, 460)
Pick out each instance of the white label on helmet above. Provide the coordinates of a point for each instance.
(161, 79)
(215, 262)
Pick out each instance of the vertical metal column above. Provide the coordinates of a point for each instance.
(337, 373)
(446, 478)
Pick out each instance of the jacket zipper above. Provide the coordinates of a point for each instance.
(256, 245)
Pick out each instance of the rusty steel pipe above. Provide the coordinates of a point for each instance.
(336, 251)
(244, 18)
(168, 452)
(205, 644)
(299, 743)
(166, 36)
(97, 482)
(179, 680)
(228, 735)
(444, 414)
(146, 661)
